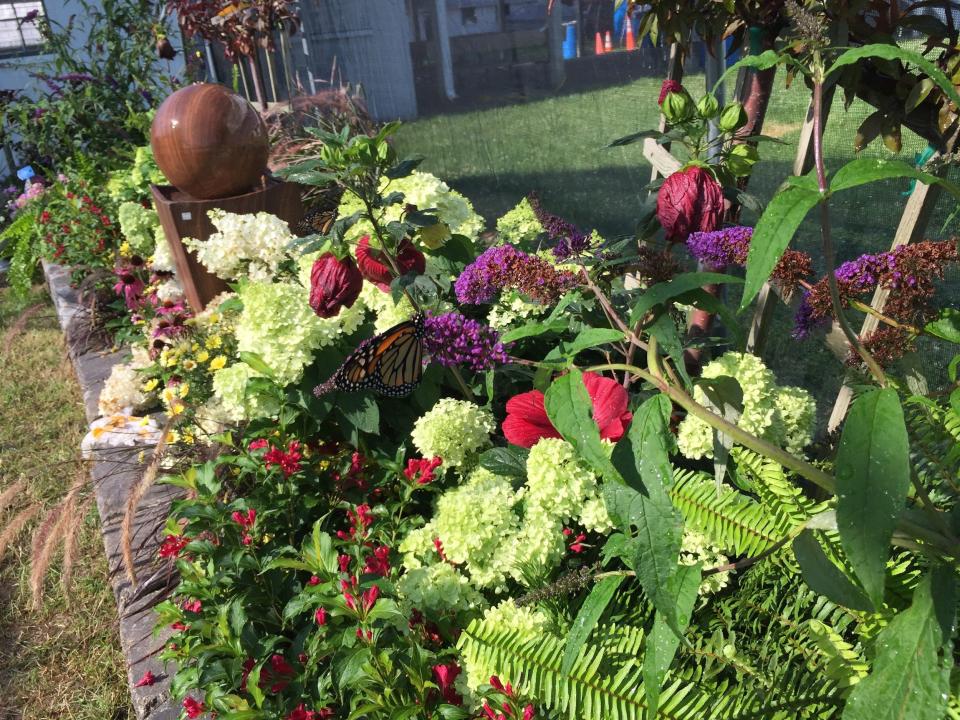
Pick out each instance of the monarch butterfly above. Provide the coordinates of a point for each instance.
(390, 363)
(323, 215)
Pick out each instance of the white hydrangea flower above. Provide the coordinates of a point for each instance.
(519, 225)
(162, 258)
(512, 310)
(169, 290)
(438, 588)
(782, 415)
(424, 190)
(123, 390)
(277, 324)
(454, 430)
(697, 548)
(230, 394)
(245, 246)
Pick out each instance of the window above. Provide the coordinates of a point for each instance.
(19, 29)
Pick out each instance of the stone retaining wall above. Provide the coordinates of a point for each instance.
(114, 473)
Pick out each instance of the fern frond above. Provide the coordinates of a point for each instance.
(774, 487)
(729, 519)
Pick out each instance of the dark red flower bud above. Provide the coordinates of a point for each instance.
(669, 86)
(334, 284)
(689, 201)
(375, 268)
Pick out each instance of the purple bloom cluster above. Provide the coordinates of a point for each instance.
(570, 240)
(503, 266)
(806, 321)
(453, 339)
(720, 248)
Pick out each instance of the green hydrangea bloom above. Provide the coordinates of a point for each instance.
(782, 415)
(139, 226)
(519, 225)
(133, 183)
(528, 622)
(278, 325)
(454, 430)
(512, 310)
(696, 548)
(425, 191)
(162, 258)
(232, 399)
(438, 587)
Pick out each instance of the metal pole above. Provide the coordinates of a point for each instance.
(446, 57)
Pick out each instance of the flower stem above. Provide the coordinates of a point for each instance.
(826, 236)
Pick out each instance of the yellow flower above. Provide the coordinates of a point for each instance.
(187, 437)
(195, 346)
(189, 365)
(203, 356)
(150, 385)
(184, 389)
(213, 342)
(218, 363)
(177, 408)
(125, 249)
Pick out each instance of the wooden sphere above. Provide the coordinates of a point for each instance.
(209, 142)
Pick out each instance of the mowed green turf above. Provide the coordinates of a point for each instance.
(61, 659)
(557, 147)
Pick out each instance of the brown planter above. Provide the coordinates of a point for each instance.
(184, 216)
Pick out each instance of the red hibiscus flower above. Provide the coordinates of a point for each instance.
(527, 421)
(375, 268)
(689, 201)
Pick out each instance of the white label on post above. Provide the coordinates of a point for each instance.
(186, 216)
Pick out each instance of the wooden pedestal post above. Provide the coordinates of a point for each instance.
(182, 216)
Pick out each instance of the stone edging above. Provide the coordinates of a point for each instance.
(114, 473)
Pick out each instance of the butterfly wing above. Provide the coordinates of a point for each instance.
(390, 363)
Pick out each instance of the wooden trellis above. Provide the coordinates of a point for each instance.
(913, 225)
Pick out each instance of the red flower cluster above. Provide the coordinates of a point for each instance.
(379, 562)
(510, 706)
(288, 462)
(301, 713)
(359, 522)
(173, 545)
(246, 522)
(279, 673)
(445, 676)
(527, 421)
(421, 470)
(375, 268)
(147, 679)
(577, 545)
(193, 708)
(690, 200)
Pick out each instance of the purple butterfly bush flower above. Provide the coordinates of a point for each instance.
(570, 240)
(719, 248)
(452, 339)
(504, 266)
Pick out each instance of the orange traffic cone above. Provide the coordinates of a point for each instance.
(631, 41)
(608, 43)
(598, 45)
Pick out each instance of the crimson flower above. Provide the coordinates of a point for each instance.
(320, 616)
(690, 200)
(334, 284)
(147, 679)
(421, 470)
(376, 269)
(379, 562)
(173, 545)
(257, 444)
(527, 422)
(288, 462)
(194, 708)
(668, 86)
(446, 675)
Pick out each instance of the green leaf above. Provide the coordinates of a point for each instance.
(946, 326)
(873, 476)
(892, 52)
(773, 234)
(867, 170)
(591, 337)
(534, 329)
(587, 619)
(663, 641)
(507, 461)
(764, 61)
(634, 137)
(642, 509)
(310, 177)
(570, 410)
(404, 168)
(826, 578)
(257, 363)
(702, 300)
(361, 412)
(910, 679)
(661, 292)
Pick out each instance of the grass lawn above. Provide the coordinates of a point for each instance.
(62, 659)
(557, 147)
